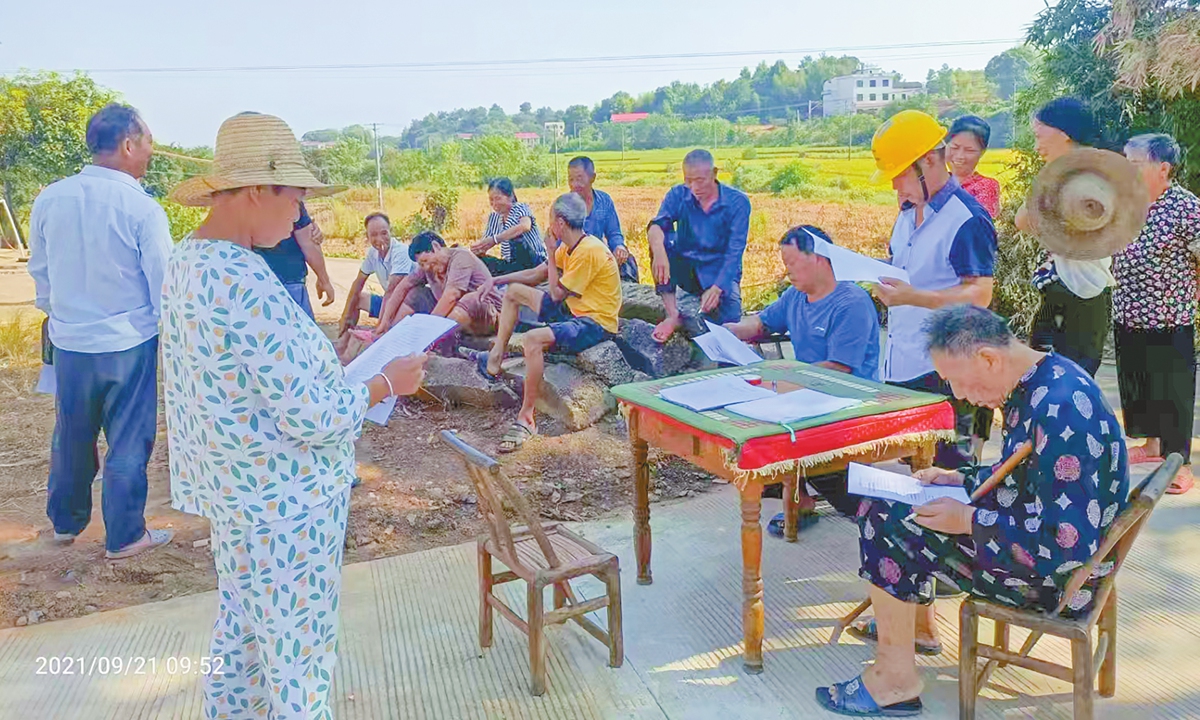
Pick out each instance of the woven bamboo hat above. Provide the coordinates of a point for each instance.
(252, 149)
(1088, 204)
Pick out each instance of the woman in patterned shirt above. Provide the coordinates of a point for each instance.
(1076, 294)
(511, 226)
(1154, 311)
(1016, 546)
(261, 425)
(965, 146)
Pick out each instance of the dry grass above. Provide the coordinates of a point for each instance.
(21, 340)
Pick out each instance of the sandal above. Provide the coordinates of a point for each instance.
(1139, 456)
(1182, 483)
(151, 540)
(806, 520)
(515, 437)
(851, 698)
(481, 361)
(869, 631)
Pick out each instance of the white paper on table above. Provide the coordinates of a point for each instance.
(792, 406)
(849, 266)
(721, 345)
(714, 392)
(47, 383)
(876, 483)
(414, 334)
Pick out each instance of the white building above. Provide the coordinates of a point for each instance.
(865, 91)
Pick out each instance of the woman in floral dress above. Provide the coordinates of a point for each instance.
(1154, 312)
(261, 425)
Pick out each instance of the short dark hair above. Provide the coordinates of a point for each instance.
(1073, 117)
(382, 216)
(699, 157)
(111, 126)
(585, 162)
(424, 242)
(504, 185)
(960, 330)
(799, 238)
(975, 125)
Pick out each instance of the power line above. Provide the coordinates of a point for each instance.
(477, 64)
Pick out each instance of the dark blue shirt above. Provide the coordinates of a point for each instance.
(286, 259)
(603, 221)
(842, 327)
(715, 240)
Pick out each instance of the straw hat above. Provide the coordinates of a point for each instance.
(1088, 204)
(252, 149)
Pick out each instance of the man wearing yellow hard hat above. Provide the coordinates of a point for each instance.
(946, 243)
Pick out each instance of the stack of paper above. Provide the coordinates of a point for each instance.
(414, 334)
(849, 266)
(876, 483)
(722, 346)
(714, 392)
(792, 407)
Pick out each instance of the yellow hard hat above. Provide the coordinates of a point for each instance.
(901, 141)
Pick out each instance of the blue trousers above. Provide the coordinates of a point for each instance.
(299, 293)
(118, 393)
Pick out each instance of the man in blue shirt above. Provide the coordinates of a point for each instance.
(98, 251)
(602, 220)
(696, 245)
(290, 260)
(832, 324)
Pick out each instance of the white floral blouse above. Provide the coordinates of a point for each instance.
(260, 421)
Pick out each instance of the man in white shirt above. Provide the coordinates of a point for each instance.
(98, 249)
(387, 259)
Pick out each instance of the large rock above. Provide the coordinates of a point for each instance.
(645, 354)
(607, 362)
(455, 381)
(568, 394)
(640, 302)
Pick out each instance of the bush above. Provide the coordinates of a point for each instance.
(750, 153)
(182, 219)
(792, 179)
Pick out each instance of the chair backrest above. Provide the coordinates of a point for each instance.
(494, 489)
(1121, 534)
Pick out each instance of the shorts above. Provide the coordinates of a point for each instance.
(572, 334)
(376, 306)
(484, 313)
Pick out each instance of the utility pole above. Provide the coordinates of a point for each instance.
(378, 166)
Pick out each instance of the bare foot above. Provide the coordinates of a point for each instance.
(665, 329)
(888, 688)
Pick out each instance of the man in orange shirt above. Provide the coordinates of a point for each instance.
(579, 309)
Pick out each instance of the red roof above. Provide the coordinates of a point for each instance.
(628, 117)
(527, 136)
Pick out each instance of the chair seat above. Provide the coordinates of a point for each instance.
(1033, 619)
(570, 548)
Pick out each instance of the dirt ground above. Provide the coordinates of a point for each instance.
(414, 495)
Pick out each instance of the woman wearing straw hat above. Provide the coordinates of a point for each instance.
(261, 427)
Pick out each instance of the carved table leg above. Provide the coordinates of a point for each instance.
(641, 501)
(752, 583)
(923, 457)
(796, 501)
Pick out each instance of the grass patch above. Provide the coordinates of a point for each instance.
(21, 340)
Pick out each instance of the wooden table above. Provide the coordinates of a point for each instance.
(888, 435)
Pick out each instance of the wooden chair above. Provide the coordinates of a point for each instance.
(543, 555)
(1085, 664)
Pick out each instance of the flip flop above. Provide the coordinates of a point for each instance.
(1182, 483)
(869, 631)
(151, 540)
(1139, 456)
(515, 437)
(852, 699)
(806, 520)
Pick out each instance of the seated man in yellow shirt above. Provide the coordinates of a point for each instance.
(579, 309)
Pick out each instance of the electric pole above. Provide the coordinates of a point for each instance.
(378, 166)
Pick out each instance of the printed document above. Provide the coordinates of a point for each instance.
(712, 393)
(849, 266)
(414, 334)
(722, 346)
(876, 483)
(792, 407)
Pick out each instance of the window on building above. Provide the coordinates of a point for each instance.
(885, 96)
(860, 97)
(859, 83)
(904, 96)
(885, 82)
(873, 83)
(872, 97)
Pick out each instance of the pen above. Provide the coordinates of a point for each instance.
(1019, 454)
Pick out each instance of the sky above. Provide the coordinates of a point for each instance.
(189, 67)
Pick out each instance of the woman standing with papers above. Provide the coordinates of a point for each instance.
(1017, 545)
(261, 425)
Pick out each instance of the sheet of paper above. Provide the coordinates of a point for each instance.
(712, 393)
(792, 407)
(722, 346)
(873, 482)
(47, 383)
(414, 334)
(849, 266)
